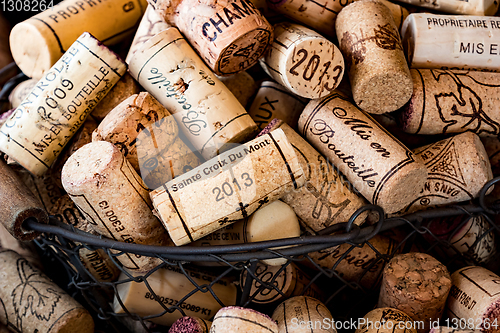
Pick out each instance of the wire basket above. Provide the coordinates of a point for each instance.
(347, 295)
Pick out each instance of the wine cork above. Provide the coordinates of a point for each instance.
(467, 235)
(242, 86)
(303, 61)
(39, 42)
(21, 91)
(273, 101)
(229, 187)
(452, 42)
(274, 221)
(383, 170)
(190, 325)
(235, 319)
(230, 35)
(108, 191)
(458, 168)
(386, 320)
(303, 314)
(97, 262)
(20, 205)
(474, 297)
(464, 101)
(124, 88)
(151, 24)
(33, 303)
(25, 249)
(446, 329)
(326, 198)
(148, 137)
(492, 147)
(207, 113)
(474, 7)
(362, 265)
(377, 68)
(286, 282)
(45, 121)
(416, 284)
(170, 286)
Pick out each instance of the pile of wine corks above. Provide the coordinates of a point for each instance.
(186, 123)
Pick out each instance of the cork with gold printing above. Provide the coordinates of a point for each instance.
(416, 284)
(31, 302)
(114, 199)
(454, 101)
(148, 137)
(207, 112)
(42, 125)
(458, 168)
(326, 198)
(474, 297)
(230, 35)
(376, 64)
(303, 61)
(382, 169)
(38, 42)
(171, 285)
(230, 186)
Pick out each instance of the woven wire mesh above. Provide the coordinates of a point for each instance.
(348, 296)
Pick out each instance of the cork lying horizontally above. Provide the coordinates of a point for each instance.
(474, 297)
(386, 320)
(109, 192)
(362, 265)
(274, 221)
(31, 302)
(325, 199)
(377, 68)
(59, 104)
(235, 319)
(148, 137)
(383, 170)
(229, 187)
(451, 41)
(301, 311)
(471, 7)
(454, 101)
(285, 282)
(458, 168)
(190, 325)
(230, 35)
(207, 112)
(274, 101)
(170, 286)
(37, 43)
(416, 284)
(303, 61)
(446, 329)
(242, 86)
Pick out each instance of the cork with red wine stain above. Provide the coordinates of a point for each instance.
(190, 325)
(416, 284)
(475, 297)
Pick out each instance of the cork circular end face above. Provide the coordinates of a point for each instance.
(24, 234)
(186, 324)
(89, 164)
(314, 67)
(417, 276)
(382, 93)
(31, 50)
(244, 52)
(401, 189)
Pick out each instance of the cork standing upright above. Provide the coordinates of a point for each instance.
(377, 68)
(382, 169)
